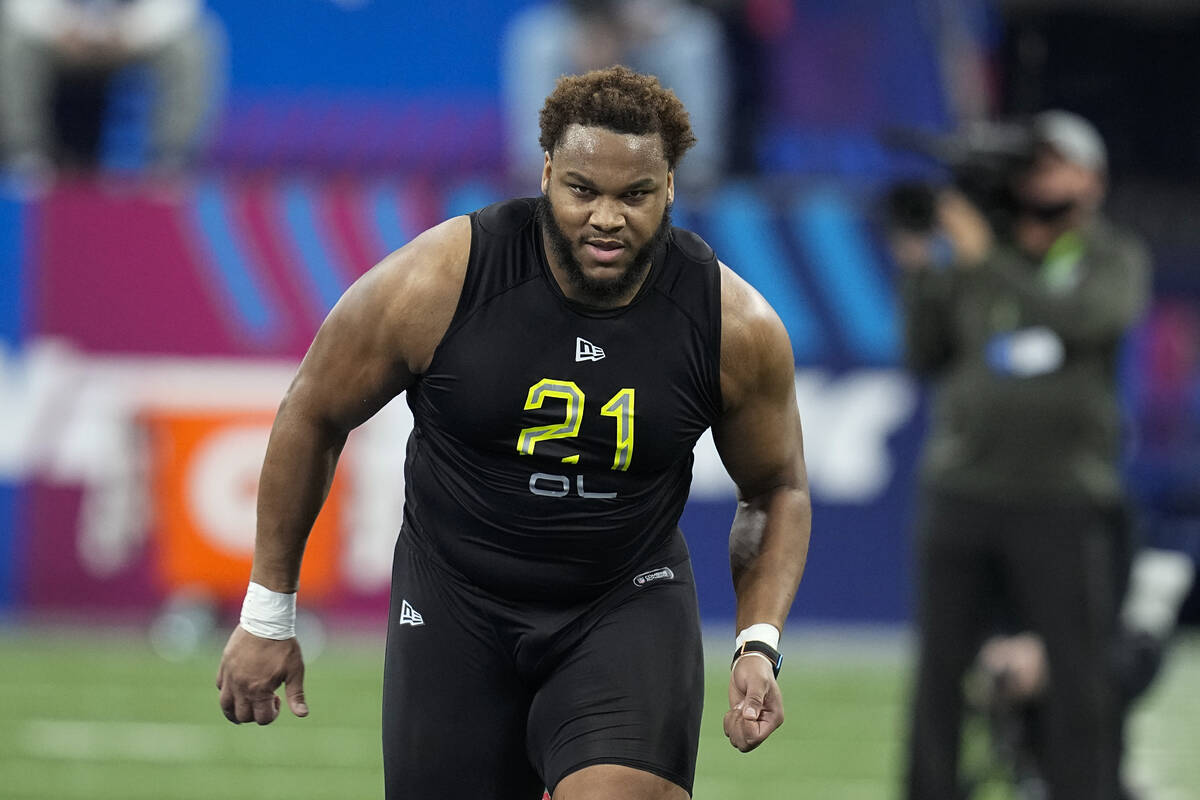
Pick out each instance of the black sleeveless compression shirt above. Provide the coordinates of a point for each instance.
(552, 444)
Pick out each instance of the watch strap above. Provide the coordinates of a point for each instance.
(762, 648)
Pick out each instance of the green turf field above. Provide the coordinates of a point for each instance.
(94, 715)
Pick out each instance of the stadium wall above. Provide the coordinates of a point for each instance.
(13, 289)
(162, 328)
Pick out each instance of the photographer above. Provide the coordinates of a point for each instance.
(1017, 317)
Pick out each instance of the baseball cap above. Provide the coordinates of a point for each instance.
(1072, 137)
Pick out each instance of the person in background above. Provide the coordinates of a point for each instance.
(58, 62)
(1023, 503)
(682, 44)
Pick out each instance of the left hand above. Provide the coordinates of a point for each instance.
(967, 228)
(755, 703)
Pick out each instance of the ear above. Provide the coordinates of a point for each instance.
(670, 187)
(546, 174)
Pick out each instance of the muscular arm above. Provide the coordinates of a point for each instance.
(378, 338)
(760, 442)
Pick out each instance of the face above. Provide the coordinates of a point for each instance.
(606, 204)
(1054, 196)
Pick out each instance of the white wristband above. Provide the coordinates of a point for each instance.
(271, 615)
(759, 632)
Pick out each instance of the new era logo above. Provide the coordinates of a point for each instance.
(586, 351)
(409, 615)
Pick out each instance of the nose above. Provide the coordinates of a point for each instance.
(607, 215)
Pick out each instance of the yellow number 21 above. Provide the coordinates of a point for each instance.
(620, 407)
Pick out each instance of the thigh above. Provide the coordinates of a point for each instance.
(606, 781)
(956, 594)
(958, 581)
(1061, 564)
(454, 712)
(629, 690)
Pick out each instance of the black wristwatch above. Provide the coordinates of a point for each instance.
(754, 646)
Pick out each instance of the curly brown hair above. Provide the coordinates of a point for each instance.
(621, 100)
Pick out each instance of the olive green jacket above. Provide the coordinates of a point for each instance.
(1023, 358)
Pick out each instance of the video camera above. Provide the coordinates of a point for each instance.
(982, 158)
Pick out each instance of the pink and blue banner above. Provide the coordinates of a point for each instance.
(161, 324)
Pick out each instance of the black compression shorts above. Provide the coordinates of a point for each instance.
(486, 698)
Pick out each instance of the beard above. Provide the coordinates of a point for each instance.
(601, 292)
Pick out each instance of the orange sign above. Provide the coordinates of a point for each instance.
(205, 467)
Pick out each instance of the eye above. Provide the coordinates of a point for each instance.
(579, 189)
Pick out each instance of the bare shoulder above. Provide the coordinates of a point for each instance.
(756, 354)
(413, 292)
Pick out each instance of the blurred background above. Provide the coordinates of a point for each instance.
(189, 186)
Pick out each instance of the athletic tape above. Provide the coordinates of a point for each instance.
(271, 615)
(759, 632)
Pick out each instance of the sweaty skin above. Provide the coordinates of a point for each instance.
(761, 445)
(375, 341)
(609, 193)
